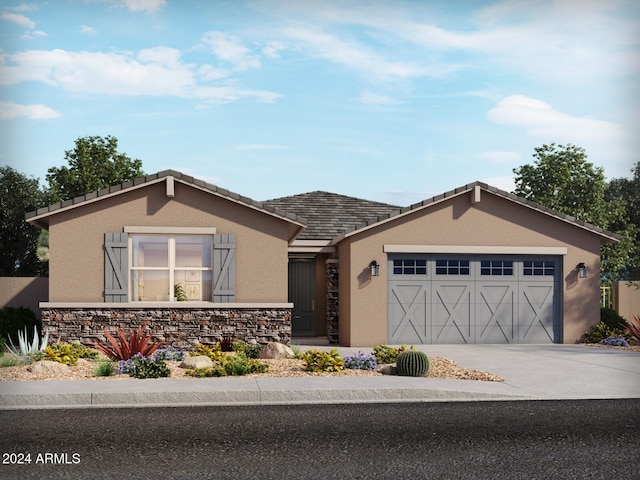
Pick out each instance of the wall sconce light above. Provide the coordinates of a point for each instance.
(582, 270)
(375, 268)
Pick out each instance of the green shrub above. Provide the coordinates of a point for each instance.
(17, 319)
(385, 354)
(3, 345)
(11, 360)
(611, 318)
(319, 362)
(601, 331)
(412, 363)
(215, 371)
(298, 353)
(150, 368)
(231, 365)
(251, 351)
(105, 369)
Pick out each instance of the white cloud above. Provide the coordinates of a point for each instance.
(145, 5)
(153, 72)
(363, 58)
(10, 110)
(24, 7)
(227, 48)
(540, 119)
(88, 30)
(369, 98)
(18, 18)
(272, 49)
(501, 156)
(33, 34)
(148, 6)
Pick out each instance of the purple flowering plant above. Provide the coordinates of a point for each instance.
(169, 353)
(360, 361)
(615, 341)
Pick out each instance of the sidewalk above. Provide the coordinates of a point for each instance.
(530, 371)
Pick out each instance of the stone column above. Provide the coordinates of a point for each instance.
(332, 300)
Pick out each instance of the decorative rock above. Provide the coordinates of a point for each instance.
(389, 370)
(198, 361)
(275, 351)
(47, 367)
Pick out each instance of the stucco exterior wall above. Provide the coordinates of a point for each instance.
(626, 299)
(76, 239)
(492, 222)
(24, 292)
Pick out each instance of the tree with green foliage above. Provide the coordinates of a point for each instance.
(94, 164)
(561, 178)
(18, 240)
(628, 190)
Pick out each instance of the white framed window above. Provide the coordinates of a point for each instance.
(168, 268)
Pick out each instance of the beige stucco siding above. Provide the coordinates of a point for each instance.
(76, 239)
(492, 222)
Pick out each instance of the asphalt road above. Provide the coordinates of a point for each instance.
(587, 439)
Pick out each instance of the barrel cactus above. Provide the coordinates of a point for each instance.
(412, 363)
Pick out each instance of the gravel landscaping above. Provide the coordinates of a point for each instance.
(85, 370)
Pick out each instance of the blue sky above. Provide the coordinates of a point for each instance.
(394, 101)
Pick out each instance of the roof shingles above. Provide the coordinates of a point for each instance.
(329, 214)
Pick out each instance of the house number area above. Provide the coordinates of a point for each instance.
(46, 458)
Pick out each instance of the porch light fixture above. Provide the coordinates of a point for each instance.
(582, 270)
(375, 268)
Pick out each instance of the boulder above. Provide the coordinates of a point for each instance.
(389, 370)
(275, 351)
(198, 361)
(47, 367)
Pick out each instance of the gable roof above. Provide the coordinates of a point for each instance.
(606, 236)
(41, 216)
(328, 214)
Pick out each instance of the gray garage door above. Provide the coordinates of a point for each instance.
(473, 299)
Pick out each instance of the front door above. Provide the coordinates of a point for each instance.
(302, 293)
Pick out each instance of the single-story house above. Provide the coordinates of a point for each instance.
(197, 263)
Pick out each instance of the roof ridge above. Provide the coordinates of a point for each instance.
(351, 197)
(154, 177)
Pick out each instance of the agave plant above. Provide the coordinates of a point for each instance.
(124, 348)
(24, 347)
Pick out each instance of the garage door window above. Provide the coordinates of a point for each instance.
(409, 266)
(539, 267)
(452, 267)
(496, 267)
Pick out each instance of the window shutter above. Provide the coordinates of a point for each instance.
(116, 264)
(224, 268)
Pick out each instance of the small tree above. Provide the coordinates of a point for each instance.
(628, 191)
(561, 178)
(18, 239)
(94, 164)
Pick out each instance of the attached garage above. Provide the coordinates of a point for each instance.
(454, 298)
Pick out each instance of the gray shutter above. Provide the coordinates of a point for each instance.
(224, 268)
(116, 265)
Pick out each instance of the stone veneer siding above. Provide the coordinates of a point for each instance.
(182, 328)
(332, 301)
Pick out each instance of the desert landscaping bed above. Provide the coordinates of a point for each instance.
(85, 370)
